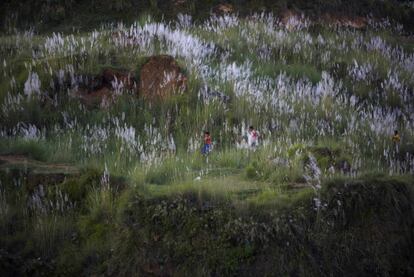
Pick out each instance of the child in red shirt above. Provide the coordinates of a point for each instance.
(207, 143)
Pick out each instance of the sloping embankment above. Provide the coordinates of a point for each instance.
(365, 227)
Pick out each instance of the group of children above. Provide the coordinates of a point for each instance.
(252, 138)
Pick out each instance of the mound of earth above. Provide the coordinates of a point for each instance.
(112, 78)
(356, 22)
(222, 9)
(161, 77)
(179, 2)
(101, 97)
(36, 172)
(292, 19)
(102, 90)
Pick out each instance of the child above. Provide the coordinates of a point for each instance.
(396, 141)
(207, 143)
(396, 137)
(252, 137)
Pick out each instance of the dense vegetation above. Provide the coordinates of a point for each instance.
(64, 15)
(365, 228)
(117, 186)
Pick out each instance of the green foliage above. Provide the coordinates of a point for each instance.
(296, 71)
(35, 149)
(330, 154)
(70, 261)
(287, 174)
(48, 232)
(251, 171)
(234, 212)
(297, 148)
(163, 174)
(195, 232)
(77, 188)
(92, 13)
(168, 223)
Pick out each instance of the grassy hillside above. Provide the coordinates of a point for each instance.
(99, 175)
(306, 88)
(63, 15)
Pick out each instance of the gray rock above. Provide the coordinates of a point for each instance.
(207, 94)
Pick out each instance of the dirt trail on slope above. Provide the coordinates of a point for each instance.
(24, 162)
(34, 173)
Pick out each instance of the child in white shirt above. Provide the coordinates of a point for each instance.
(252, 137)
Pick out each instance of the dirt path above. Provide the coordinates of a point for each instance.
(23, 162)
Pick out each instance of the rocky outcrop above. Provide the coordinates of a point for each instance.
(222, 9)
(208, 94)
(161, 77)
(102, 90)
(356, 22)
(100, 97)
(112, 78)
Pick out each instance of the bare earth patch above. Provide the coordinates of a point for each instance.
(19, 161)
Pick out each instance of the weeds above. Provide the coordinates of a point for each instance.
(326, 103)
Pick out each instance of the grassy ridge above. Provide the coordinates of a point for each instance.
(286, 68)
(326, 100)
(363, 227)
(63, 15)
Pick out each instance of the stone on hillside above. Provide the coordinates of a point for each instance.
(291, 20)
(356, 22)
(161, 77)
(102, 90)
(207, 94)
(102, 97)
(222, 9)
(280, 162)
(111, 78)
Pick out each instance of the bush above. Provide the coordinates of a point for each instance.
(77, 188)
(34, 149)
(251, 172)
(164, 173)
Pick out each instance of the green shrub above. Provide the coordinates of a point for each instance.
(295, 148)
(49, 232)
(78, 187)
(161, 174)
(287, 174)
(35, 149)
(70, 261)
(251, 172)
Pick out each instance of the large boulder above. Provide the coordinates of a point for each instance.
(112, 78)
(102, 90)
(161, 77)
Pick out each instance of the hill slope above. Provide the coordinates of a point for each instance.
(65, 14)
